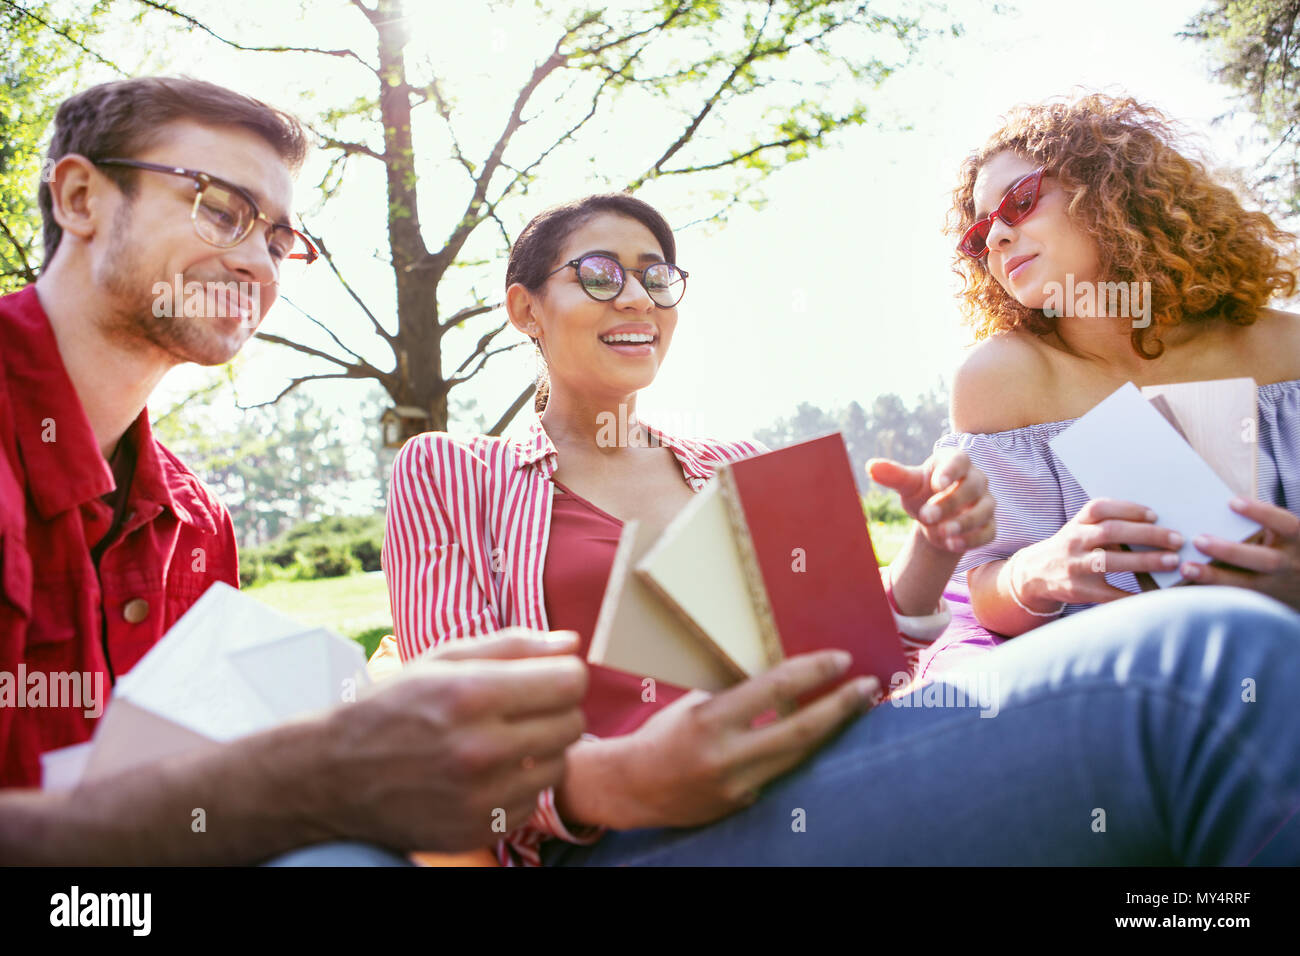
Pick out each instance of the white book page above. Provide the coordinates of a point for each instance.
(1220, 420)
(1124, 449)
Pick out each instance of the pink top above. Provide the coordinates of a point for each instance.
(578, 561)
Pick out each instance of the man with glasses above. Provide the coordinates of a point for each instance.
(106, 538)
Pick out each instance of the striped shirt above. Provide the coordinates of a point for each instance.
(466, 538)
(1036, 495)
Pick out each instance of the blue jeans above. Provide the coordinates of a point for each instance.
(1159, 729)
(339, 854)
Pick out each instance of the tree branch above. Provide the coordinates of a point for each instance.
(361, 362)
(471, 218)
(481, 347)
(740, 157)
(382, 332)
(707, 108)
(308, 350)
(482, 362)
(371, 14)
(26, 272)
(348, 148)
(470, 312)
(522, 174)
(676, 12)
(290, 387)
(63, 33)
(434, 91)
(347, 54)
(513, 410)
(200, 392)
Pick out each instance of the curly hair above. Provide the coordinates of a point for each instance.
(1155, 214)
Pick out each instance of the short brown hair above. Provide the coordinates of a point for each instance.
(1156, 214)
(124, 118)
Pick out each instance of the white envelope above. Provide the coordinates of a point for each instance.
(231, 666)
(1125, 449)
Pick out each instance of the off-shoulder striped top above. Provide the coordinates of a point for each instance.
(1036, 495)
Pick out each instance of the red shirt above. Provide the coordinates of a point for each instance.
(59, 616)
(579, 557)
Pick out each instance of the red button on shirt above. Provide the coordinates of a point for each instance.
(57, 615)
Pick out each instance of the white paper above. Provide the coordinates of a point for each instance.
(1124, 449)
(62, 768)
(231, 666)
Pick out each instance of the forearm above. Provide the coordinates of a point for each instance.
(919, 573)
(994, 606)
(254, 794)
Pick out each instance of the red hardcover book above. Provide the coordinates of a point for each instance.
(796, 573)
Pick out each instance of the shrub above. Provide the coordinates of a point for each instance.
(883, 507)
(327, 548)
(281, 555)
(252, 570)
(326, 560)
(366, 551)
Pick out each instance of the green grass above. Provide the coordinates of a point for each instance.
(357, 606)
(888, 540)
(352, 606)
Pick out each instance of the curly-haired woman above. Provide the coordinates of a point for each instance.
(1072, 196)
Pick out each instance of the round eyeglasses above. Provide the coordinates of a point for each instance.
(1015, 206)
(224, 214)
(603, 277)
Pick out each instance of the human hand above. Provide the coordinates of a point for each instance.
(701, 758)
(947, 495)
(1271, 567)
(1070, 566)
(509, 643)
(434, 756)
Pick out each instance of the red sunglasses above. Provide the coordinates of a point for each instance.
(1018, 203)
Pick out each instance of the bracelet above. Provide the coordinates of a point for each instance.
(1011, 586)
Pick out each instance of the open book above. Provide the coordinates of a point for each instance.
(1182, 450)
(230, 666)
(771, 559)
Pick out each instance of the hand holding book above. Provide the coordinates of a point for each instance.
(1070, 566)
(1271, 566)
(703, 757)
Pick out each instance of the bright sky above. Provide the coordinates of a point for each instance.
(838, 290)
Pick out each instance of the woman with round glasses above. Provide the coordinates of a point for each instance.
(1074, 196)
(485, 533)
(491, 533)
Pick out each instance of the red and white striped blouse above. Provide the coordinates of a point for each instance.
(466, 538)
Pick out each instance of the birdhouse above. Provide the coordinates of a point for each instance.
(401, 422)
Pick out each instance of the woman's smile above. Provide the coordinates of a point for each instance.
(631, 339)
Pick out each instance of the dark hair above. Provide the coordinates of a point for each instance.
(124, 118)
(533, 255)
